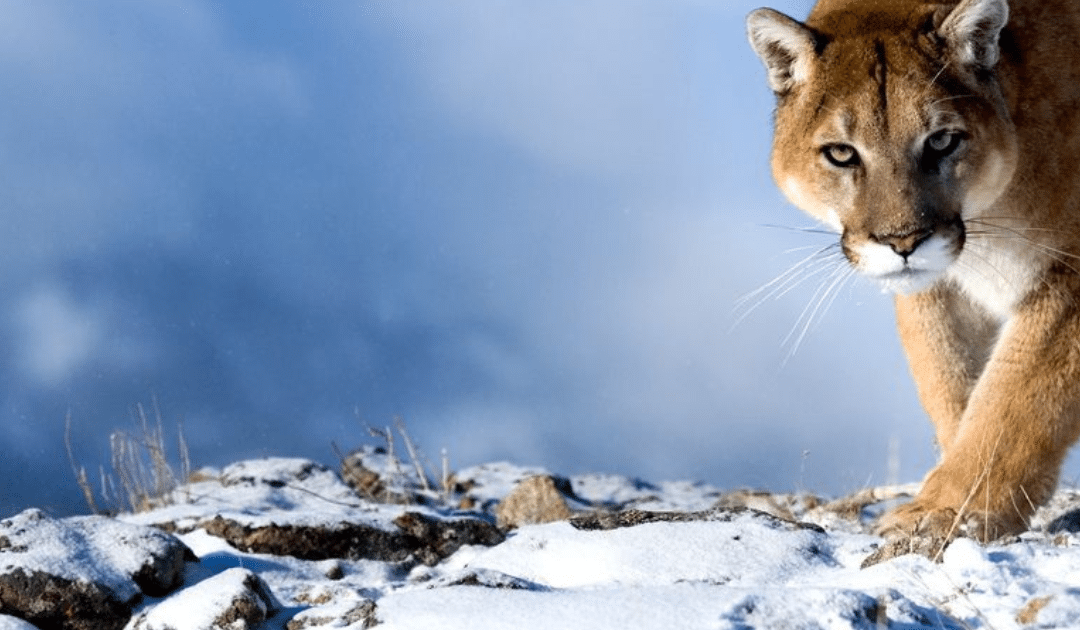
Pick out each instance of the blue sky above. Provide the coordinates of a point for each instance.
(522, 227)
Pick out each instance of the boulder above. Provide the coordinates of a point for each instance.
(84, 572)
(534, 501)
(426, 538)
(359, 615)
(603, 521)
(235, 598)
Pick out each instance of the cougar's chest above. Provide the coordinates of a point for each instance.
(997, 269)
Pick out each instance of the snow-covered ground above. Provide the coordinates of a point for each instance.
(705, 568)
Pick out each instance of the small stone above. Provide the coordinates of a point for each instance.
(1029, 614)
(356, 615)
(363, 613)
(932, 547)
(534, 501)
(334, 571)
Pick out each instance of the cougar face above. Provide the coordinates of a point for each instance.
(883, 140)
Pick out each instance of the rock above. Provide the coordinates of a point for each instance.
(427, 538)
(486, 578)
(438, 539)
(364, 614)
(379, 476)
(1029, 614)
(231, 600)
(1067, 522)
(366, 482)
(785, 506)
(534, 501)
(49, 601)
(840, 609)
(352, 541)
(632, 518)
(85, 572)
(361, 615)
(932, 547)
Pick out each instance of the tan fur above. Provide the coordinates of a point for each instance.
(981, 239)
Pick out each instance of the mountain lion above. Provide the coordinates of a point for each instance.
(941, 141)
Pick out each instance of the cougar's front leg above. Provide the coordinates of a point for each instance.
(947, 342)
(1002, 459)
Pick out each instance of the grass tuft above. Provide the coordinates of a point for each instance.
(142, 477)
(384, 474)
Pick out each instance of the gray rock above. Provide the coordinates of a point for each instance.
(235, 598)
(436, 539)
(631, 518)
(49, 601)
(360, 615)
(352, 541)
(85, 572)
(426, 538)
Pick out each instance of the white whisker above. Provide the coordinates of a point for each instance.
(940, 72)
(998, 231)
(814, 264)
(810, 314)
(804, 229)
(796, 250)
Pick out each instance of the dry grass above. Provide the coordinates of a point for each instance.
(408, 476)
(142, 476)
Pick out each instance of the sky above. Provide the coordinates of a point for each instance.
(523, 228)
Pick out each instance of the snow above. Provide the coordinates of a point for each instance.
(736, 572)
(561, 557)
(196, 607)
(13, 623)
(279, 490)
(84, 548)
(660, 608)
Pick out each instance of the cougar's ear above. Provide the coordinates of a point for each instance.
(972, 30)
(784, 45)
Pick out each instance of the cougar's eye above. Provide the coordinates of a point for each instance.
(842, 155)
(943, 143)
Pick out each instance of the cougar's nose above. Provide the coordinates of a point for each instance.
(905, 244)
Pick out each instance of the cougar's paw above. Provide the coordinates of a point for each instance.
(990, 526)
(915, 528)
(917, 519)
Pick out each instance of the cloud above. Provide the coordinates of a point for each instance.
(631, 263)
(107, 107)
(56, 336)
(601, 85)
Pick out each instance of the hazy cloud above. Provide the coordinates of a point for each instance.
(56, 336)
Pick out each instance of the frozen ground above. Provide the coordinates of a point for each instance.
(715, 569)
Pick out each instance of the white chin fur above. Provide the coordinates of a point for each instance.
(919, 272)
(908, 283)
